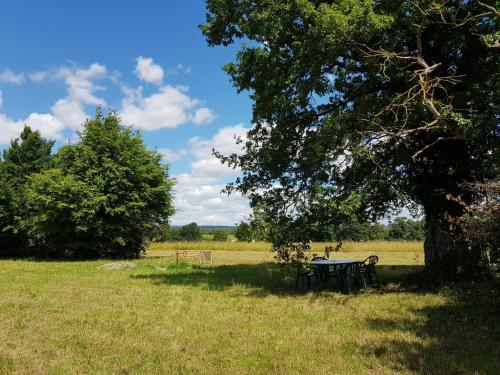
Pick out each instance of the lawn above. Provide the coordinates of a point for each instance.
(239, 315)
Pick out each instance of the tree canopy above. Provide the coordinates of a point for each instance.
(100, 197)
(190, 232)
(363, 107)
(28, 154)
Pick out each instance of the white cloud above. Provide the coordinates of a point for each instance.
(223, 141)
(38, 76)
(82, 89)
(167, 108)
(198, 193)
(67, 112)
(48, 125)
(179, 69)
(81, 85)
(70, 112)
(169, 155)
(1, 99)
(9, 76)
(203, 115)
(148, 71)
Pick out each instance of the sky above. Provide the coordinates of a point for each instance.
(148, 60)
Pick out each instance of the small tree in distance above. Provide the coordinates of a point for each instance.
(243, 232)
(190, 232)
(220, 235)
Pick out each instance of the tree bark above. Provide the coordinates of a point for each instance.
(439, 246)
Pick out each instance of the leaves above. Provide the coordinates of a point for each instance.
(101, 198)
(360, 107)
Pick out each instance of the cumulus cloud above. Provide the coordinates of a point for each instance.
(82, 89)
(169, 107)
(70, 112)
(203, 116)
(147, 71)
(9, 76)
(67, 112)
(198, 193)
(48, 125)
(223, 141)
(170, 155)
(81, 85)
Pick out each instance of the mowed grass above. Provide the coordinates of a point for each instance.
(239, 315)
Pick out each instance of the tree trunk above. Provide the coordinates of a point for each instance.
(438, 248)
(447, 256)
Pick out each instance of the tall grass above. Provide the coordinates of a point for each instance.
(319, 247)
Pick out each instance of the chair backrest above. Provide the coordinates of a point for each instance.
(319, 258)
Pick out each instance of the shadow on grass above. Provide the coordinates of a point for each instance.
(460, 337)
(262, 278)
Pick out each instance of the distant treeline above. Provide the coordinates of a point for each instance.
(192, 232)
(400, 228)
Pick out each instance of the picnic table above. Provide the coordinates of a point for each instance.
(341, 266)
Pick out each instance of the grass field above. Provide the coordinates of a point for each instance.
(370, 246)
(239, 315)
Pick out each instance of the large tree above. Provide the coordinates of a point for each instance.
(28, 154)
(363, 107)
(103, 197)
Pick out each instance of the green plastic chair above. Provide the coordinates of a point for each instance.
(369, 268)
(307, 274)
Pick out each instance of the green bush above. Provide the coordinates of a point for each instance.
(406, 229)
(190, 232)
(243, 232)
(220, 235)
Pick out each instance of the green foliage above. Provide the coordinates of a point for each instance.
(103, 197)
(479, 227)
(190, 232)
(376, 231)
(220, 235)
(359, 231)
(28, 154)
(159, 232)
(261, 224)
(243, 232)
(361, 108)
(402, 228)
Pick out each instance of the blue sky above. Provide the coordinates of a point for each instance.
(146, 59)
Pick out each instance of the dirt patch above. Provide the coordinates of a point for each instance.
(117, 265)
